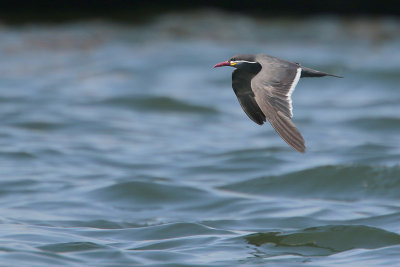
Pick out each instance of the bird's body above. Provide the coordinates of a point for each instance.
(263, 85)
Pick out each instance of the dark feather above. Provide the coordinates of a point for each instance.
(241, 84)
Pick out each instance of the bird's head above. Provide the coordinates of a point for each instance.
(239, 62)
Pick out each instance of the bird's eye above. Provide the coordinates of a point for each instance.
(233, 59)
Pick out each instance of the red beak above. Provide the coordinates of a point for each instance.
(222, 64)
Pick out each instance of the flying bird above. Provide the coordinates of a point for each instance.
(264, 85)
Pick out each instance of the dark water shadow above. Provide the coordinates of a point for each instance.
(323, 240)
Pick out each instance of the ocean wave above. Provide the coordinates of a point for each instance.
(71, 247)
(149, 193)
(158, 104)
(376, 124)
(342, 182)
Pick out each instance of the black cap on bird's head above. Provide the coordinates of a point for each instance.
(236, 61)
(243, 57)
(243, 62)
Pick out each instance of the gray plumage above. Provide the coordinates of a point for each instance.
(263, 85)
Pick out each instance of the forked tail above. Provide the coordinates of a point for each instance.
(306, 72)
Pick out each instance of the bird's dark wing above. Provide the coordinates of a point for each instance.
(272, 88)
(241, 84)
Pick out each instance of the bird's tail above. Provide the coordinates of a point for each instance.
(306, 72)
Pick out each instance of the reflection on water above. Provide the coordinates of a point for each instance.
(120, 145)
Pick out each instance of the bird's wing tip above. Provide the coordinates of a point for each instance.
(302, 151)
(288, 131)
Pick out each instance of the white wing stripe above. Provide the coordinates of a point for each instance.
(292, 86)
(294, 83)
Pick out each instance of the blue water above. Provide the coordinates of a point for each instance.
(121, 146)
